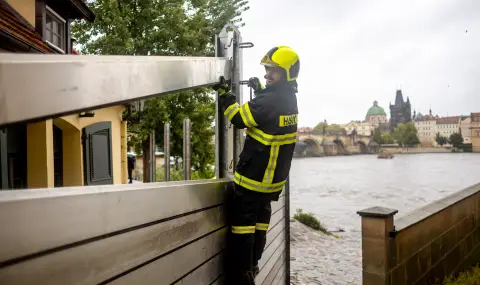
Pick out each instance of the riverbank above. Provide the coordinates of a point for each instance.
(416, 150)
(318, 258)
(335, 188)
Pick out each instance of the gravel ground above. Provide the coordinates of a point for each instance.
(317, 258)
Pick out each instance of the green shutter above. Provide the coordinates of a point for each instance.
(97, 146)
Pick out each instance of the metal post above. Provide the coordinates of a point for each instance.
(3, 160)
(186, 149)
(221, 123)
(287, 231)
(166, 150)
(152, 158)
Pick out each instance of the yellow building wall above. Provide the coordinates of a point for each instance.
(124, 149)
(40, 155)
(26, 8)
(111, 114)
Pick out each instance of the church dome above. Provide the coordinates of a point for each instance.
(376, 110)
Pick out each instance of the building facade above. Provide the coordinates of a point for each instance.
(376, 115)
(426, 126)
(447, 126)
(465, 129)
(475, 128)
(361, 128)
(80, 149)
(400, 112)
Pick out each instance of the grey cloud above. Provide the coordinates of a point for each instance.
(355, 52)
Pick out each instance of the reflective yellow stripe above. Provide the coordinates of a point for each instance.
(247, 116)
(232, 110)
(256, 185)
(261, 227)
(267, 139)
(272, 164)
(243, 229)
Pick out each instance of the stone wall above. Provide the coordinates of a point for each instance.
(425, 246)
(399, 150)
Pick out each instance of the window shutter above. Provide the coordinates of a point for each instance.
(98, 154)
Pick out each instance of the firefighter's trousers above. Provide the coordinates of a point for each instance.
(250, 218)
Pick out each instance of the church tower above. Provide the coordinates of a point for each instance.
(400, 112)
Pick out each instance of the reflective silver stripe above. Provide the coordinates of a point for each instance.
(272, 163)
(258, 186)
(247, 116)
(232, 110)
(267, 139)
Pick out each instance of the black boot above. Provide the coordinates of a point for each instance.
(248, 278)
(256, 270)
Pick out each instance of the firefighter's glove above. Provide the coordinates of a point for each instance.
(222, 89)
(255, 84)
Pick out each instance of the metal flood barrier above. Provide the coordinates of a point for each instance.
(151, 233)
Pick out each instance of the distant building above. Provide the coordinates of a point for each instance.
(304, 130)
(465, 129)
(447, 126)
(426, 128)
(361, 128)
(376, 115)
(400, 112)
(475, 128)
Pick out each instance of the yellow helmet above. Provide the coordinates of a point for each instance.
(284, 57)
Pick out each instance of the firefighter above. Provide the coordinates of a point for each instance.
(270, 120)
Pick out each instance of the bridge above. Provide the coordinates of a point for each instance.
(328, 143)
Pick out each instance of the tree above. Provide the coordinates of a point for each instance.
(377, 136)
(441, 140)
(406, 134)
(387, 138)
(334, 128)
(456, 139)
(180, 28)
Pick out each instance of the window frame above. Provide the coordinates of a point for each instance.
(56, 17)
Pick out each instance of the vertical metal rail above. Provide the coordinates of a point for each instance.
(186, 149)
(287, 231)
(3, 160)
(222, 49)
(166, 151)
(152, 157)
(237, 89)
(229, 140)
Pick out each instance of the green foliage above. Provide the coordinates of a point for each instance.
(166, 28)
(456, 139)
(377, 136)
(177, 175)
(310, 220)
(334, 128)
(387, 138)
(406, 134)
(441, 140)
(469, 277)
(382, 138)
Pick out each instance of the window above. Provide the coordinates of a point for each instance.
(55, 30)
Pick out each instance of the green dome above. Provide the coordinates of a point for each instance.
(376, 110)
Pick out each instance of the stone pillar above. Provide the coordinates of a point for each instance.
(377, 223)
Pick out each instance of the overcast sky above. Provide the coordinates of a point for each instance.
(354, 52)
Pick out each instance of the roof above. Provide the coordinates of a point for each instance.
(399, 98)
(13, 26)
(376, 110)
(448, 120)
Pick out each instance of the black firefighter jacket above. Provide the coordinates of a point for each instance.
(270, 120)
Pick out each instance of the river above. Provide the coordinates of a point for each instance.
(335, 188)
